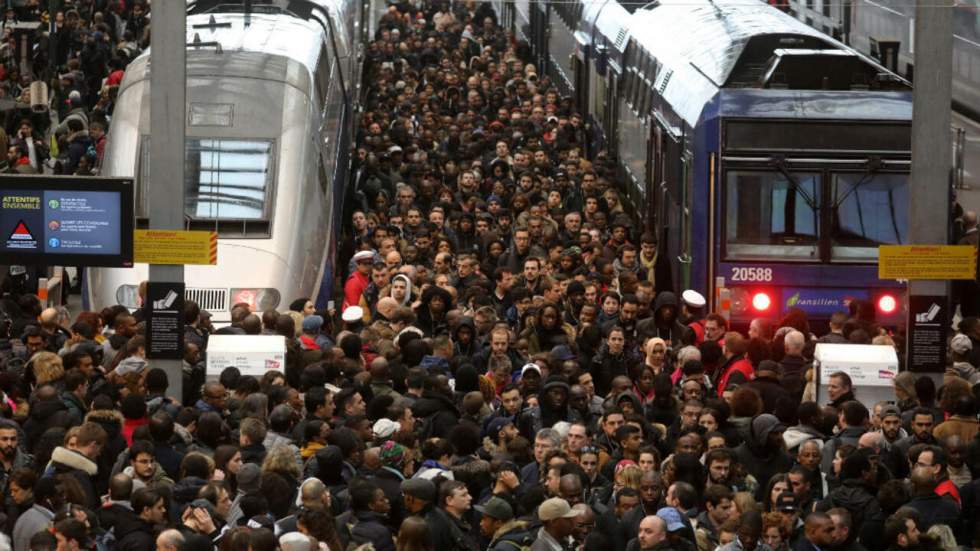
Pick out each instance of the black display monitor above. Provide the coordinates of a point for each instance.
(66, 221)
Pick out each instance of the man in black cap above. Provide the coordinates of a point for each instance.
(418, 495)
(499, 526)
(788, 505)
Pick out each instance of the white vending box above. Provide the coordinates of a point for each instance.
(872, 369)
(251, 354)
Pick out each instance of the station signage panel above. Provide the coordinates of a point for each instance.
(920, 262)
(176, 247)
(66, 220)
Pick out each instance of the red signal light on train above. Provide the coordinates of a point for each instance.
(887, 304)
(761, 301)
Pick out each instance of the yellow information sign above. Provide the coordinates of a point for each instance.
(927, 262)
(175, 247)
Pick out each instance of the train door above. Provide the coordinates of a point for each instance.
(540, 12)
(685, 258)
(580, 78)
(654, 177)
(608, 109)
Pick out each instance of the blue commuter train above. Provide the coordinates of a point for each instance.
(770, 159)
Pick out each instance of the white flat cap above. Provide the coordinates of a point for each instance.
(693, 298)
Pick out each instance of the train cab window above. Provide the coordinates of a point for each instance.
(769, 215)
(868, 210)
(228, 179)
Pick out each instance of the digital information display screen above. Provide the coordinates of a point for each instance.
(66, 221)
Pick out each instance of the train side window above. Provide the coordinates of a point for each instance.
(868, 210)
(771, 216)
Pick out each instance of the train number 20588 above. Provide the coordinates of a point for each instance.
(751, 274)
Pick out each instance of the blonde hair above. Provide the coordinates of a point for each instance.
(47, 367)
(746, 502)
(281, 459)
(629, 476)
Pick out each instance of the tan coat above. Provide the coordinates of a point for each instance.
(963, 427)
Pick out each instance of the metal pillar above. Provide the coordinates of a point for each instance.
(168, 77)
(931, 166)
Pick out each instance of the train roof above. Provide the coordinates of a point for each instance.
(271, 34)
(607, 24)
(701, 46)
(711, 35)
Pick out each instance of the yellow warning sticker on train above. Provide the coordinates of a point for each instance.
(175, 247)
(927, 262)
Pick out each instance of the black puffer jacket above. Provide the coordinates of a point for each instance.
(663, 325)
(134, 534)
(867, 517)
(759, 459)
(439, 413)
(112, 422)
(45, 415)
(186, 490)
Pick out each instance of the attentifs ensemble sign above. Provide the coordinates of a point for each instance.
(66, 220)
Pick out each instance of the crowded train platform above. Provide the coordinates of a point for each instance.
(509, 365)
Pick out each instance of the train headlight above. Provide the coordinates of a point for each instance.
(761, 301)
(887, 304)
(128, 296)
(257, 299)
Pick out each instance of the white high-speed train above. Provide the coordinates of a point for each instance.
(271, 86)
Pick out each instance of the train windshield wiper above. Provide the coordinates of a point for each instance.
(780, 164)
(874, 163)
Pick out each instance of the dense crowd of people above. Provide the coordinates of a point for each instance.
(511, 368)
(58, 83)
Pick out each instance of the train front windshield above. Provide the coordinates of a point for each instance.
(814, 215)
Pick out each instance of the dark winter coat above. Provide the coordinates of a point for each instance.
(859, 499)
(134, 534)
(43, 416)
(759, 460)
(659, 325)
(83, 469)
(439, 413)
(770, 389)
(111, 422)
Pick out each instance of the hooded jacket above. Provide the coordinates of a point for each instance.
(531, 420)
(859, 500)
(430, 326)
(794, 436)
(65, 461)
(186, 489)
(439, 413)
(658, 325)
(111, 422)
(757, 457)
(514, 534)
(134, 534)
(43, 416)
(407, 301)
(472, 348)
